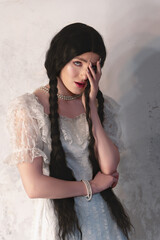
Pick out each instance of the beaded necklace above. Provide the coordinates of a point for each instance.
(63, 97)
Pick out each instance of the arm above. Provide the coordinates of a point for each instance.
(38, 185)
(107, 153)
(27, 143)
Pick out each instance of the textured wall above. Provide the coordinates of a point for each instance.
(131, 75)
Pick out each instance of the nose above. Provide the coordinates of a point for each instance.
(83, 74)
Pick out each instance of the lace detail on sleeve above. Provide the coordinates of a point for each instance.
(26, 127)
(112, 123)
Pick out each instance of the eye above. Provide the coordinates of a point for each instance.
(77, 63)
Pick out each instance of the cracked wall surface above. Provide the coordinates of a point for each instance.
(131, 76)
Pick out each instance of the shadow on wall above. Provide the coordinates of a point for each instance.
(140, 167)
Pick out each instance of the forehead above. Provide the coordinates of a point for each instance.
(88, 57)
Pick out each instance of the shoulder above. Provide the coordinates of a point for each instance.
(112, 122)
(27, 102)
(25, 109)
(25, 99)
(111, 113)
(111, 105)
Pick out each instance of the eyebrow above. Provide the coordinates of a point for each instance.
(83, 60)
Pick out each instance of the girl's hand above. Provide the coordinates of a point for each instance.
(94, 77)
(103, 181)
(117, 176)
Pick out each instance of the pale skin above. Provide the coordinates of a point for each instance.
(36, 184)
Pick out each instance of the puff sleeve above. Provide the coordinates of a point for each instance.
(112, 123)
(25, 133)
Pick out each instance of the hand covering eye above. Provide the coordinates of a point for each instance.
(94, 67)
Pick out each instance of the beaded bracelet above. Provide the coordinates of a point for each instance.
(89, 189)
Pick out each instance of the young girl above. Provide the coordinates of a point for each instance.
(66, 140)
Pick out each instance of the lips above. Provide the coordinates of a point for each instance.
(80, 84)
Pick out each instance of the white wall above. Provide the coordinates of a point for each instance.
(131, 75)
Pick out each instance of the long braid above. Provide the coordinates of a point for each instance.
(64, 208)
(74, 40)
(100, 99)
(92, 157)
(117, 211)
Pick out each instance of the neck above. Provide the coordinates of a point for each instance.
(62, 90)
(64, 93)
(62, 96)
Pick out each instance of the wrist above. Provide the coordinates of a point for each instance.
(88, 189)
(84, 190)
(93, 104)
(93, 186)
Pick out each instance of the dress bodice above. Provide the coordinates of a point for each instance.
(29, 128)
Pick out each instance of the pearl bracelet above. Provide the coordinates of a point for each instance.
(89, 190)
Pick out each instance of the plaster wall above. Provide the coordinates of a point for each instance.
(131, 76)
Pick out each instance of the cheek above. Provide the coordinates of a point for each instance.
(72, 71)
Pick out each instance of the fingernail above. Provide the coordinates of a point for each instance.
(99, 60)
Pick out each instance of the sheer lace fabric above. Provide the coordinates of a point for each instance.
(29, 129)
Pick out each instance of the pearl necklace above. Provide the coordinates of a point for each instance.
(63, 97)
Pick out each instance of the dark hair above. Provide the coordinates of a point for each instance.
(74, 40)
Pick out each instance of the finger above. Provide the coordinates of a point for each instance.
(115, 181)
(115, 174)
(114, 185)
(99, 68)
(92, 71)
(90, 78)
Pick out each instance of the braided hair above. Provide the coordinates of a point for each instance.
(74, 40)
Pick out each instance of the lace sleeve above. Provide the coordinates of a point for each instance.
(25, 135)
(112, 123)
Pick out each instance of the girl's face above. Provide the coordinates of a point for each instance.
(73, 77)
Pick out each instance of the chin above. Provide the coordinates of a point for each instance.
(78, 92)
(79, 89)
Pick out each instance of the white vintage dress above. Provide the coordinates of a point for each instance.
(29, 129)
